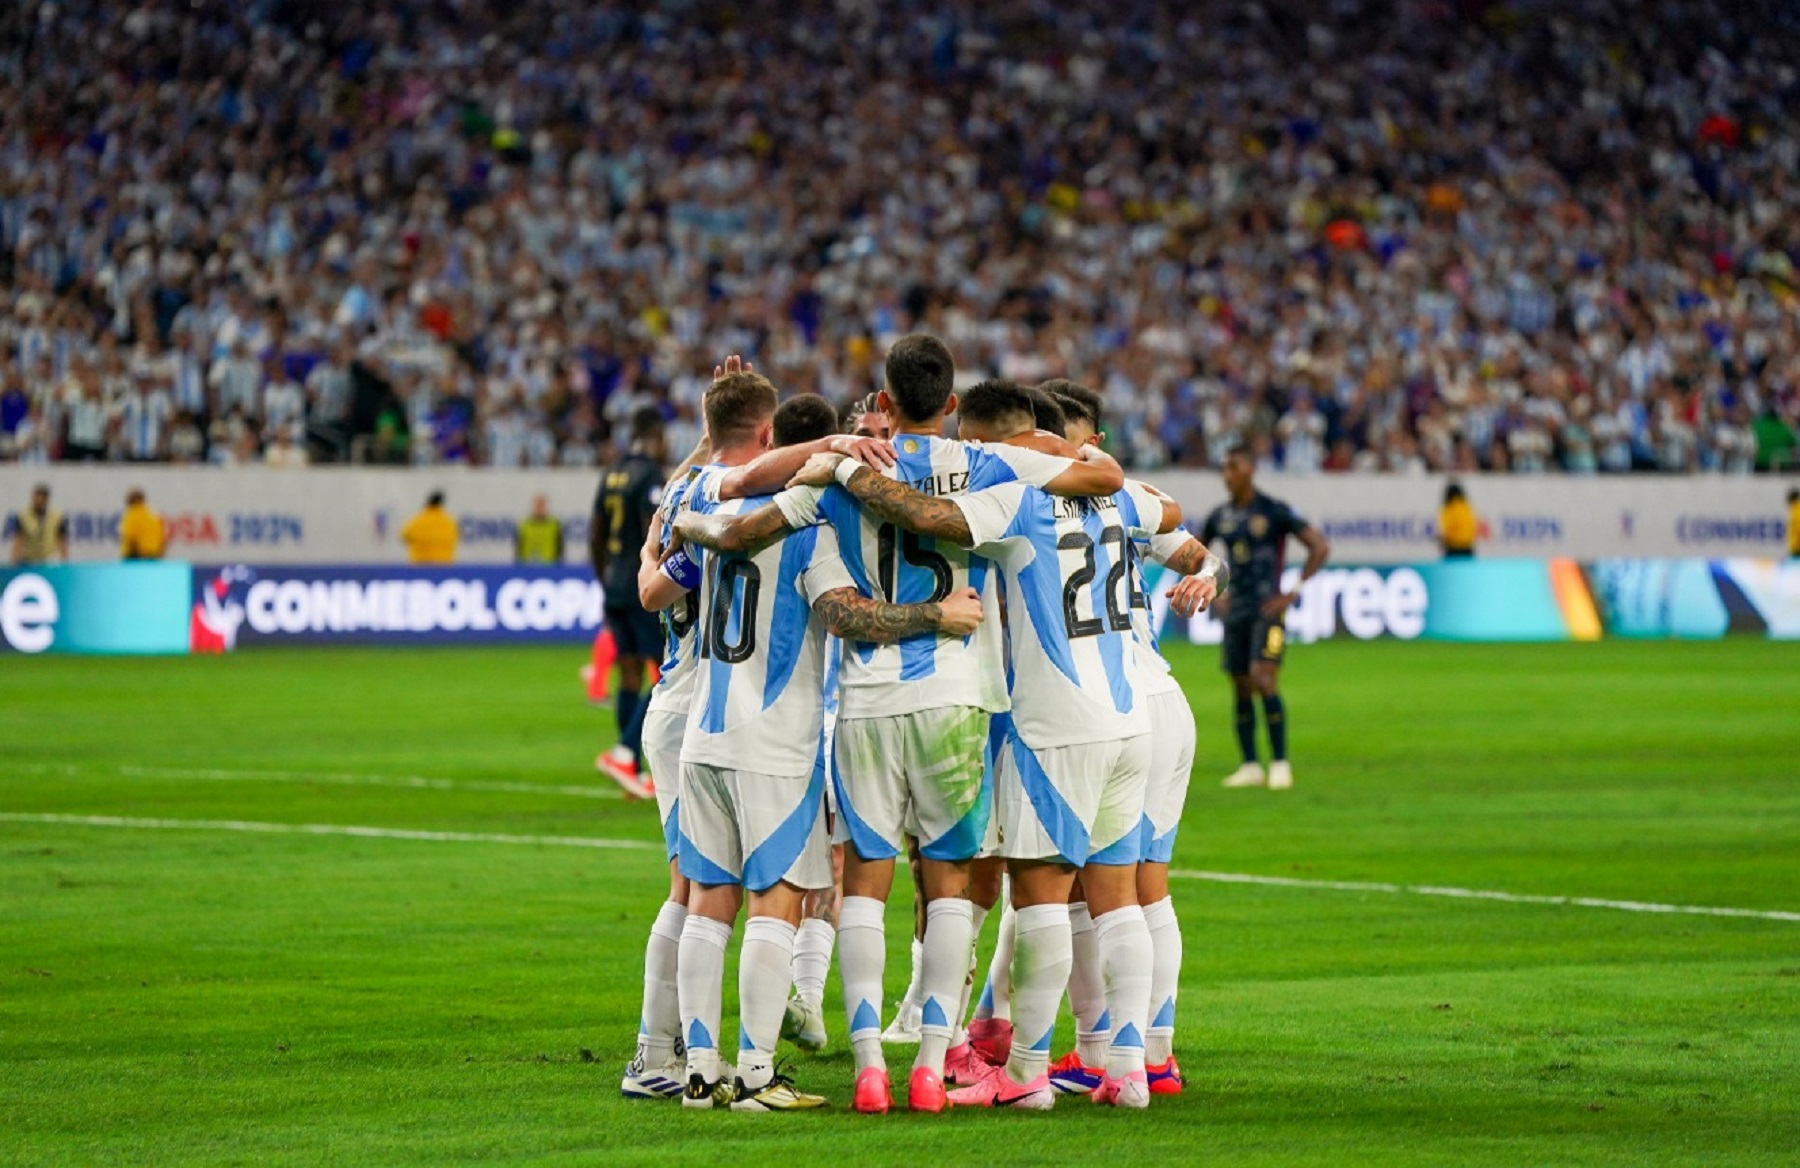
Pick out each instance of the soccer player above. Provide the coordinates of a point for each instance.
(751, 814)
(1204, 577)
(1255, 531)
(1070, 786)
(913, 722)
(624, 509)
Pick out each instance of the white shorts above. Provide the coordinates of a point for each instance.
(918, 774)
(740, 827)
(663, 732)
(1082, 804)
(1171, 767)
(822, 767)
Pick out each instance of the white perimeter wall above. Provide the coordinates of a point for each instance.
(344, 516)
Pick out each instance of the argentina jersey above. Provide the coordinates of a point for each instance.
(759, 669)
(1153, 667)
(675, 682)
(1070, 587)
(927, 671)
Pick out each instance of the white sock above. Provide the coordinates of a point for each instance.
(862, 956)
(996, 995)
(765, 974)
(915, 992)
(1124, 944)
(945, 975)
(1165, 977)
(812, 960)
(660, 1024)
(1087, 989)
(977, 917)
(1040, 970)
(700, 986)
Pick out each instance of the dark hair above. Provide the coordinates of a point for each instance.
(1794, 495)
(804, 418)
(1074, 410)
(853, 413)
(920, 376)
(646, 422)
(1064, 391)
(735, 405)
(1045, 413)
(135, 495)
(435, 499)
(41, 489)
(997, 403)
(1452, 493)
(1241, 449)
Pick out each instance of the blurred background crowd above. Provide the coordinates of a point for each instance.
(1546, 235)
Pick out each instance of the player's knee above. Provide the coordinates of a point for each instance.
(1241, 687)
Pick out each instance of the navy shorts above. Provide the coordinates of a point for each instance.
(636, 633)
(1247, 642)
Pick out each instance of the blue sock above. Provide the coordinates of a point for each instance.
(1275, 714)
(625, 712)
(1246, 728)
(632, 735)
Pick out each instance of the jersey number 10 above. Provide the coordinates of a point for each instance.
(723, 586)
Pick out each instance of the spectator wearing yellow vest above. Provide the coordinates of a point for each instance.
(1457, 525)
(141, 533)
(540, 539)
(40, 533)
(1794, 523)
(431, 534)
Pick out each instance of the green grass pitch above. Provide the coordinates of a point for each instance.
(209, 996)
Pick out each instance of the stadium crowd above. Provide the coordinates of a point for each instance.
(1422, 234)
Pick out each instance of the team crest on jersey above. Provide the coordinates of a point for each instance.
(1259, 526)
(910, 446)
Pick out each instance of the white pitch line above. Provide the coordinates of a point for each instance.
(450, 837)
(567, 841)
(408, 782)
(1637, 906)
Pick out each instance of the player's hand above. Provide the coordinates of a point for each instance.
(676, 541)
(819, 471)
(1193, 594)
(875, 453)
(1274, 606)
(733, 364)
(959, 613)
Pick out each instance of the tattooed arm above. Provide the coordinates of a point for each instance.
(854, 617)
(888, 500)
(743, 535)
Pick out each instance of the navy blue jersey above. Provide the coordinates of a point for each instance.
(624, 508)
(1253, 540)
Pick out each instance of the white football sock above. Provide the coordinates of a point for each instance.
(862, 955)
(812, 960)
(660, 1024)
(977, 917)
(915, 992)
(1125, 957)
(946, 973)
(765, 974)
(1087, 989)
(1041, 959)
(996, 995)
(700, 985)
(1165, 978)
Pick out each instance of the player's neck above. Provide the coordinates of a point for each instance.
(1245, 499)
(931, 429)
(740, 455)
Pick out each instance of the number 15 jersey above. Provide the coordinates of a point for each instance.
(1070, 586)
(929, 671)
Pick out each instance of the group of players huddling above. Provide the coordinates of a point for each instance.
(949, 642)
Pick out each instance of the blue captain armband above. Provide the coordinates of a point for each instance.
(683, 570)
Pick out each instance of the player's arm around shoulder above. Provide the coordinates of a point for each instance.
(854, 617)
(1047, 460)
(887, 499)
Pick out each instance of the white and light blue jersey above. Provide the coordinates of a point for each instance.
(1153, 667)
(928, 671)
(674, 689)
(1066, 566)
(760, 653)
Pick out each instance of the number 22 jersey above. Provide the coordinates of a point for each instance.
(1070, 587)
